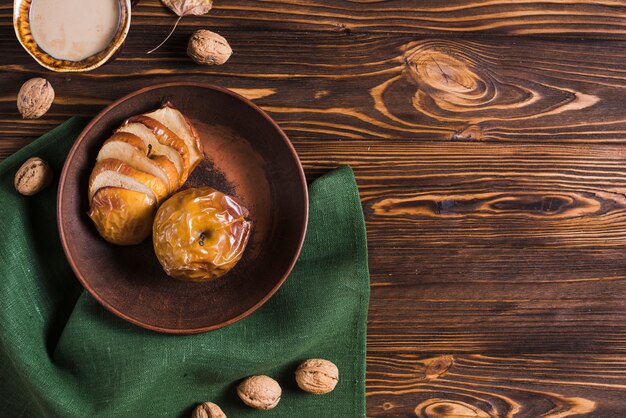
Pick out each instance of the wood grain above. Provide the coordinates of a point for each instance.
(589, 18)
(488, 140)
(379, 88)
(495, 386)
(490, 248)
(485, 195)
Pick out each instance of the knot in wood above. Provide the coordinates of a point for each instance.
(448, 76)
(445, 408)
(468, 82)
(468, 133)
(438, 366)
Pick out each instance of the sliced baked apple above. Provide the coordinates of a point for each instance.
(122, 216)
(133, 140)
(155, 148)
(173, 179)
(147, 159)
(132, 150)
(176, 122)
(169, 138)
(116, 173)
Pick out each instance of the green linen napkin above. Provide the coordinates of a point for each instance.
(63, 355)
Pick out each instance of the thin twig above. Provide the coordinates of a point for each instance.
(168, 36)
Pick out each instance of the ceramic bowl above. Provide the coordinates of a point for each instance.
(247, 156)
(21, 23)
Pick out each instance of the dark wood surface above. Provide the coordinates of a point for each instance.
(489, 143)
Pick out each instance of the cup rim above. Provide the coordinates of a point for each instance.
(21, 25)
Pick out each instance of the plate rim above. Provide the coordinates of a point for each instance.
(63, 235)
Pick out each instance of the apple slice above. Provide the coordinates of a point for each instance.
(173, 179)
(176, 122)
(116, 173)
(169, 138)
(132, 139)
(132, 150)
(122, 216)
(153, 145)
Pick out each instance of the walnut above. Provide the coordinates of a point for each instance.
(35, 98)
(209, 48)
(260, 392)
(317, 376)
(33, 176)
(208, 410)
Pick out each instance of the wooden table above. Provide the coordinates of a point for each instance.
(489, 142)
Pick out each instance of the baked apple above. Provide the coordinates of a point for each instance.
(122, 216)
(146, 160)
(200, 234)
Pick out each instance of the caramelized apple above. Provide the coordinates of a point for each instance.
(200, 234)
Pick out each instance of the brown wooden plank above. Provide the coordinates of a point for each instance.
(603, 19)
(364, 86)
(482, 195)
(490, 248)
(446, 386)
(401, 320)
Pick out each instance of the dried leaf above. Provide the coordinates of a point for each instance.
(184, 8)
(189, 7)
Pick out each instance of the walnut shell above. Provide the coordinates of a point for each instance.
(317, 376)
(35, 98)
(33, 176)
(259, 392)
(208, 410)
(208, 48)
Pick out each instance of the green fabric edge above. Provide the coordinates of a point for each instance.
(45, 141)
(360, 238)
(49, 140)
(359, 227)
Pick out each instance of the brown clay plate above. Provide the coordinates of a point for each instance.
(247, 156)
